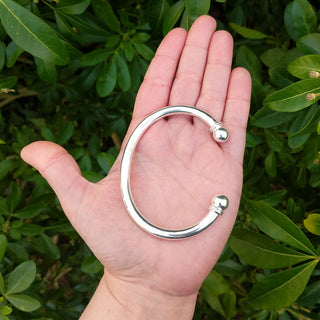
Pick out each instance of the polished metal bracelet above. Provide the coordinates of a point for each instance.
(219, 203)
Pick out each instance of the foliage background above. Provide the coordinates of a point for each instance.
(75, 84)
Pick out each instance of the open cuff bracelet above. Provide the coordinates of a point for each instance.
(219, 203)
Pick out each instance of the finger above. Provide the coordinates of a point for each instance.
(155, 88)
(236, 113)
(61, 171)
(188, 80)
(217, 73)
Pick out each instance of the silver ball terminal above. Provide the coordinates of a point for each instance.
(219, 204)
(219, 134)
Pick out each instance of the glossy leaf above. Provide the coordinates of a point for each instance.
(281, 289)
(3, 245)
(306, 122)
(278, 226)
(144, 51)
(123, 74)
(156, 12)
(13, 197)
(72, 6)
(2, 285)
(309, 44)
(270, 164)
(304, 17)
(294, 97)
(289, 23)
(65, 133)
(246, 58)
(301, 67)
(103, 9)
(267, 118)
(66, 29)
(21, 277)
(13, 52)
(47, 71)
(172, 16)
(247, 33)
(50, 248)
(197, 8)
(275, 141)
(91, 265)
(107, 79)
(31, 33)
(259, 250)
(23, 302)
(105, 161)
(312, 223)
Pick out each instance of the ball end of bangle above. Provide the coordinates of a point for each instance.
(221, 135)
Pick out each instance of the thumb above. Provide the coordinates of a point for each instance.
(61, 171)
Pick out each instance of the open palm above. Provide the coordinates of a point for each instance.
(176, 170)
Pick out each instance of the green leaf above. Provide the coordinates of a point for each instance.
(31, 33)
(197, 8)
(13, 52)
(281, 289)
(13, 197)
(21, 277)
(72, 6)
(94, 57)
(275, 141)
(30, 229)
(23, 302)
(2, 55)
(123, 74)
(144, 51)
(105, 161)
(156, 12)
(2, 285)
(91, 265)
(247, 33)
(48, 135)
(306, 122)
(267, 118)
(103, 9)
(246, 58)
(65, 133)
(215, 284)
(309, 44)
(5, 310)
(289, 23)
(278, 226)
(107, 79)
(259, 250)
(301, 66)
(270, 163)
(294, 97)
(49, 247)
(304, 17)
(8, 82)
(172, 16)
(3, 245)
(67, 30)
(280, 76)
(46, 70)
(312, 223)
(3, 317)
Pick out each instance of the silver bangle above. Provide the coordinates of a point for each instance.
(219, 203)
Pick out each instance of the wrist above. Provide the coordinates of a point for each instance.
(118, 299)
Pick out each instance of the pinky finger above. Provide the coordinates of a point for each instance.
(236, 112)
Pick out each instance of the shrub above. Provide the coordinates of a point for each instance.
(70, 70)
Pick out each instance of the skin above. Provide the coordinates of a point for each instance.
(176, 170)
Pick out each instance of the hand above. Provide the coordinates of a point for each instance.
(176, 171)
